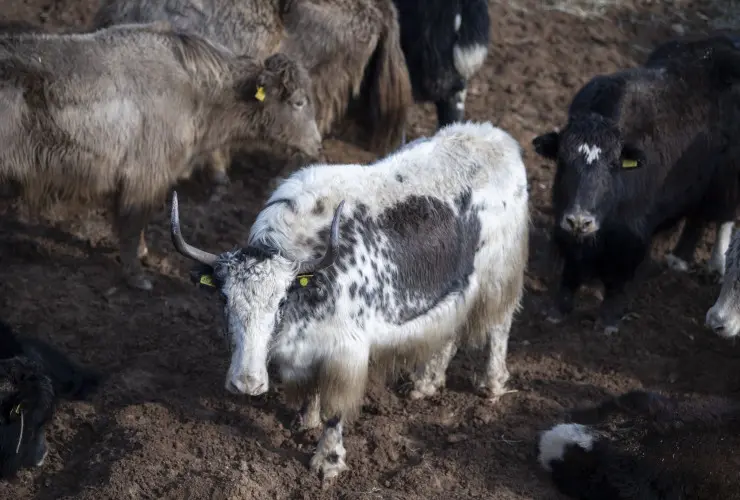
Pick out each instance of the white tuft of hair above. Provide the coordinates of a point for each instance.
(469, 59)
(554, 441)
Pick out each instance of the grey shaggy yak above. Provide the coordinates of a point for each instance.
(351, 49)
(119, 113)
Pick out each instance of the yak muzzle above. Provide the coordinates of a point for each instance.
(721, 324)
(579, 223)
(250, 386)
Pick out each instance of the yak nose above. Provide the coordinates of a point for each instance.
(580, 223)
(715, 321)
(250, 386)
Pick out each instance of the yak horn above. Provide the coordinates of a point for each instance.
(187, 250)
(314, 265)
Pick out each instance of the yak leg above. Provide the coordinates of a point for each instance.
(130, 223)
(570, 281)
(682, 254)
(493, 384)
(614, 306)
(309, 416)
(431, 377)
(220, 160)
(451, 109)
(142, 251)
(721, 244)
(341, 387)
(328, 460)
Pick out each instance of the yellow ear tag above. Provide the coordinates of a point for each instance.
(260, 95)
(206, 280)
(16, 410)
(303, 280)
(629, 163)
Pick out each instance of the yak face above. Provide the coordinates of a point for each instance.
(253, 283)
(592, 165)
(724, 316)
(24, 415)
(286, 112)
(22, 439)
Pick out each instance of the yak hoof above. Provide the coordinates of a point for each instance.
(328, 466)
(554, 316)
(304, 422)
(425, 388)
(219, 191)
(676, 263)
(140, 282)
(493, 395)
(220, 178)
(415, 394)
(610, 330)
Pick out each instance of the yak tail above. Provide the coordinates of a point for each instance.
(664, 412)
(386, 88)
(471, 48)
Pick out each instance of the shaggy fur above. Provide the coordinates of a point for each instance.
(445, 44)
(350, 48)
(724, 315)
(643, 149)
(433, 243)
(88, 116)
(661, 449)
(40, 375)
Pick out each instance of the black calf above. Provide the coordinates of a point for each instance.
(40, 375)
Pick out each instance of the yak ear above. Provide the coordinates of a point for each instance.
(202, 276)
(632, 157)
(546, 145)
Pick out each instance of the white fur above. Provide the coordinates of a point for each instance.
(591, 153)
(724, 315)
(461, 156)
(461, 99)
(458, 22)
(441, 167)
(721, 244)
(469, 59)
(554, 441)
(676, 263)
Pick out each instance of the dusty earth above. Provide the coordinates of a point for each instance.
(164, 427)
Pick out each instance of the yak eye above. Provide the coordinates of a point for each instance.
(299, 103)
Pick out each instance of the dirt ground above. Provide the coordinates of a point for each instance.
(164, 427)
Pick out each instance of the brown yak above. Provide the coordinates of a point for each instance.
(119, 113)
(351, 49)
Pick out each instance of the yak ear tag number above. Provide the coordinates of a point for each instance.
(207, 280)
(629, 163)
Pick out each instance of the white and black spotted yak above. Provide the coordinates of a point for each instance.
(394, 261)
(643, 149)
(643, 445)
(445, 43)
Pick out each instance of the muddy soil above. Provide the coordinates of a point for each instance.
(165, 428)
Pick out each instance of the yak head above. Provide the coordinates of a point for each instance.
(593, 166)
(253, 283)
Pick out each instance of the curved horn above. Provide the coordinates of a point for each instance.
(190, 251)
(314, 265)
